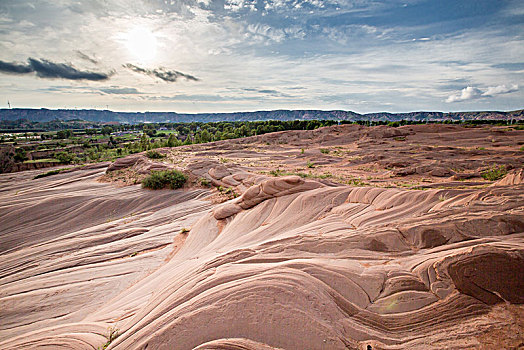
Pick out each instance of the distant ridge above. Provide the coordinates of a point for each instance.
(94, 115)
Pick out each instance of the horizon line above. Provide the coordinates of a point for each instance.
(258, 111)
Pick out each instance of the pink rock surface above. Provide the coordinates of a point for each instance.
(290, 264)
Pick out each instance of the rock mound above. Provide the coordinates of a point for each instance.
(514, 177)
(271, 188)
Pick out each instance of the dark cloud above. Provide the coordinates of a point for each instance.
(86, 57)
(121, 91)
(14, 68)
(47, 69)
(161, 73)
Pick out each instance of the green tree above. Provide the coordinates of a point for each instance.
(144, 142)
(20, 155)
(150, 132)
(106, 130)
(64, 157)
(205, 136)
(64, 134)
(173, 141)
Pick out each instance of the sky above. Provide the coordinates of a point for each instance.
(193, 56)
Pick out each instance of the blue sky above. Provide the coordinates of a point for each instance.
(244, 55)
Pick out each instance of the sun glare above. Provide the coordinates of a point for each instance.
(141, 43)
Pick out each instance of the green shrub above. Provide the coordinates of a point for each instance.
(324, 150)
(166, 178)
(495, 173)
(310, 164)
(20, 155)
(154, 155)
(64, 157)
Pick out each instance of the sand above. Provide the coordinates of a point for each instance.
(424, 259)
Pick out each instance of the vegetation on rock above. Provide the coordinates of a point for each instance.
(164, 179)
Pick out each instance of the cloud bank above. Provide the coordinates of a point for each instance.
(47, 69)
(164, 74)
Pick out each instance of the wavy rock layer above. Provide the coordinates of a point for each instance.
(289, 264)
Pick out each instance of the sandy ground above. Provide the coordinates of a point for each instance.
(344, 237)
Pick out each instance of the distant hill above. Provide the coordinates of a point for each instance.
(94, 115)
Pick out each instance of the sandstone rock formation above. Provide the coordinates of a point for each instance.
(292, 263)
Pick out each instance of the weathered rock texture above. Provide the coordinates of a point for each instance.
(291, 263)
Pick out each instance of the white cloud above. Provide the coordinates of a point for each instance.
(468, 93)
(471, 93)
(500, 89)
(237, 5)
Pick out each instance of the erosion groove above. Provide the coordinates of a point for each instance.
(291, 262)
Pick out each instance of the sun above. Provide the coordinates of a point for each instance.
(141, 43)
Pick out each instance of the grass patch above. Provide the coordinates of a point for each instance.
(354, 158)
(494, 173)
(154, 155)
(204, 182)
(166, 178)
(418, 188)
(310, 164)
(279, 172)
(113, 334)
(49, 173)
(228, 191)
(45, 160)
(323, 176)
(324, 150)
(356, 182)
